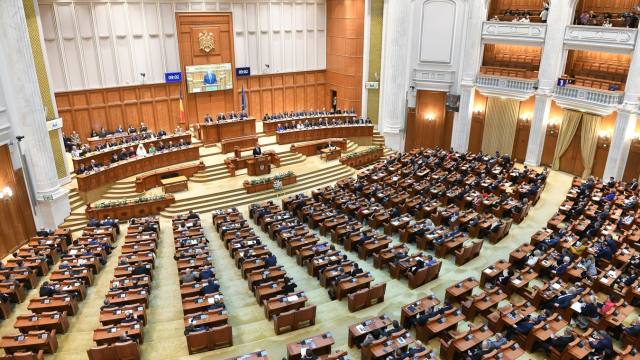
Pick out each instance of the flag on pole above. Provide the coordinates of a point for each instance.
(244, 101)
(181, 108)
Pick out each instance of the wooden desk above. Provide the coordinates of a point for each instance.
(114, 316)
(321, 344)
(175, 184)
(60, 304)
(292, 136)
(24, 343)
(261, 355)
(33, 322)
(152, 179)
(357, 332)
(124, 169)
(311, 148)
(269, 127)
(105, 156)
(210, 318)
(330, 154)
(229, 145)
(210, 133)
(456, 294)
(275, 306)
(492, 271)
(418, 307)
(110, 336)
(399, 340)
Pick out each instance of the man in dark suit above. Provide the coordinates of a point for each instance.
(192, 215)
(418, 349)
(289, 285)
(340, 277)
(561, 302)
(270, 260)
(633, 329)
(356, 270)
(208, 119)
(46, 290)
(210, 288)
(524, 327)
(420, 319)
(558, 343)
(140, 269)
(210, 78)
(604, 343)
(93, 222)
(43, 231)
(257, 151)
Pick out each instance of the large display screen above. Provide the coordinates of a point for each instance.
(213, 77)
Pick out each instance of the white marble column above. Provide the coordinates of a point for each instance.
(462, 121)
(393, 86)
(471, 64)
(551, 65)
(625, 122)
(19, 77)
(538, 130)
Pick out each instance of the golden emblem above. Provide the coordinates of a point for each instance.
(206, 41)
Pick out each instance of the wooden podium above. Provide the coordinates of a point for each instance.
(259, 166)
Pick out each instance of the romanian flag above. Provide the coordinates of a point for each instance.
(244, 101)
(181, 108)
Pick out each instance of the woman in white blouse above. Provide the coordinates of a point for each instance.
(525, 19)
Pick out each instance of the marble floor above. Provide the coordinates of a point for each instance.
(164, 337)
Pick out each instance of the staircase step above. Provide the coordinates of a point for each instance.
(222, 199)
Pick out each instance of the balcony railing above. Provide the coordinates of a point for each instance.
(516, 33)
(614, 38)
(601, 102)
(500, 86)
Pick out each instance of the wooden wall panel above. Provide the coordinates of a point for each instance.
(282, 92)
(424, 133)
(498, 7)
(345, 41)
(612, 6)
(197, 105)
(521, 138)
(16, 220)
(85, 110)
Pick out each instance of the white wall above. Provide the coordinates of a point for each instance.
(96, 44)
(436, 44)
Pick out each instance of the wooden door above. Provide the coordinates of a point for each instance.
(571, 160)
(477, 130)
(599, 161)
(520, 143)
(632, 168)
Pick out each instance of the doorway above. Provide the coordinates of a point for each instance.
(334, 99)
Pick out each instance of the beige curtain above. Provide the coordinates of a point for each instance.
(570, 122)
(500, 125)
(589, 141)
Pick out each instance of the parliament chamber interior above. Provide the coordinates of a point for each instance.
(319, 179)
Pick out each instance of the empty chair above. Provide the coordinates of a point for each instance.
(596, 84)
(29, 355)
(499, 56)
(521, 74)
(357, 300)
(579, 82)
(127, 350)
(306, 316)
(376, 294)
(284, 320)
(198, 341)
(221, 336)
(463, 255)
(588, 83)
(165, 176)
(104, 352)
(175, 174)
(604, 86)
(187, 143)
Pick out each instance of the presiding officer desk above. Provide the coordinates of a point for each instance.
(210, 133)
(308, 134)
(126, 168)
(269, 127)
(105, 155)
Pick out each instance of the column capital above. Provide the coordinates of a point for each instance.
(544, 92)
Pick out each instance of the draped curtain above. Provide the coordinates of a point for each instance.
(570, 122)
(500, 125)
(589, 141)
